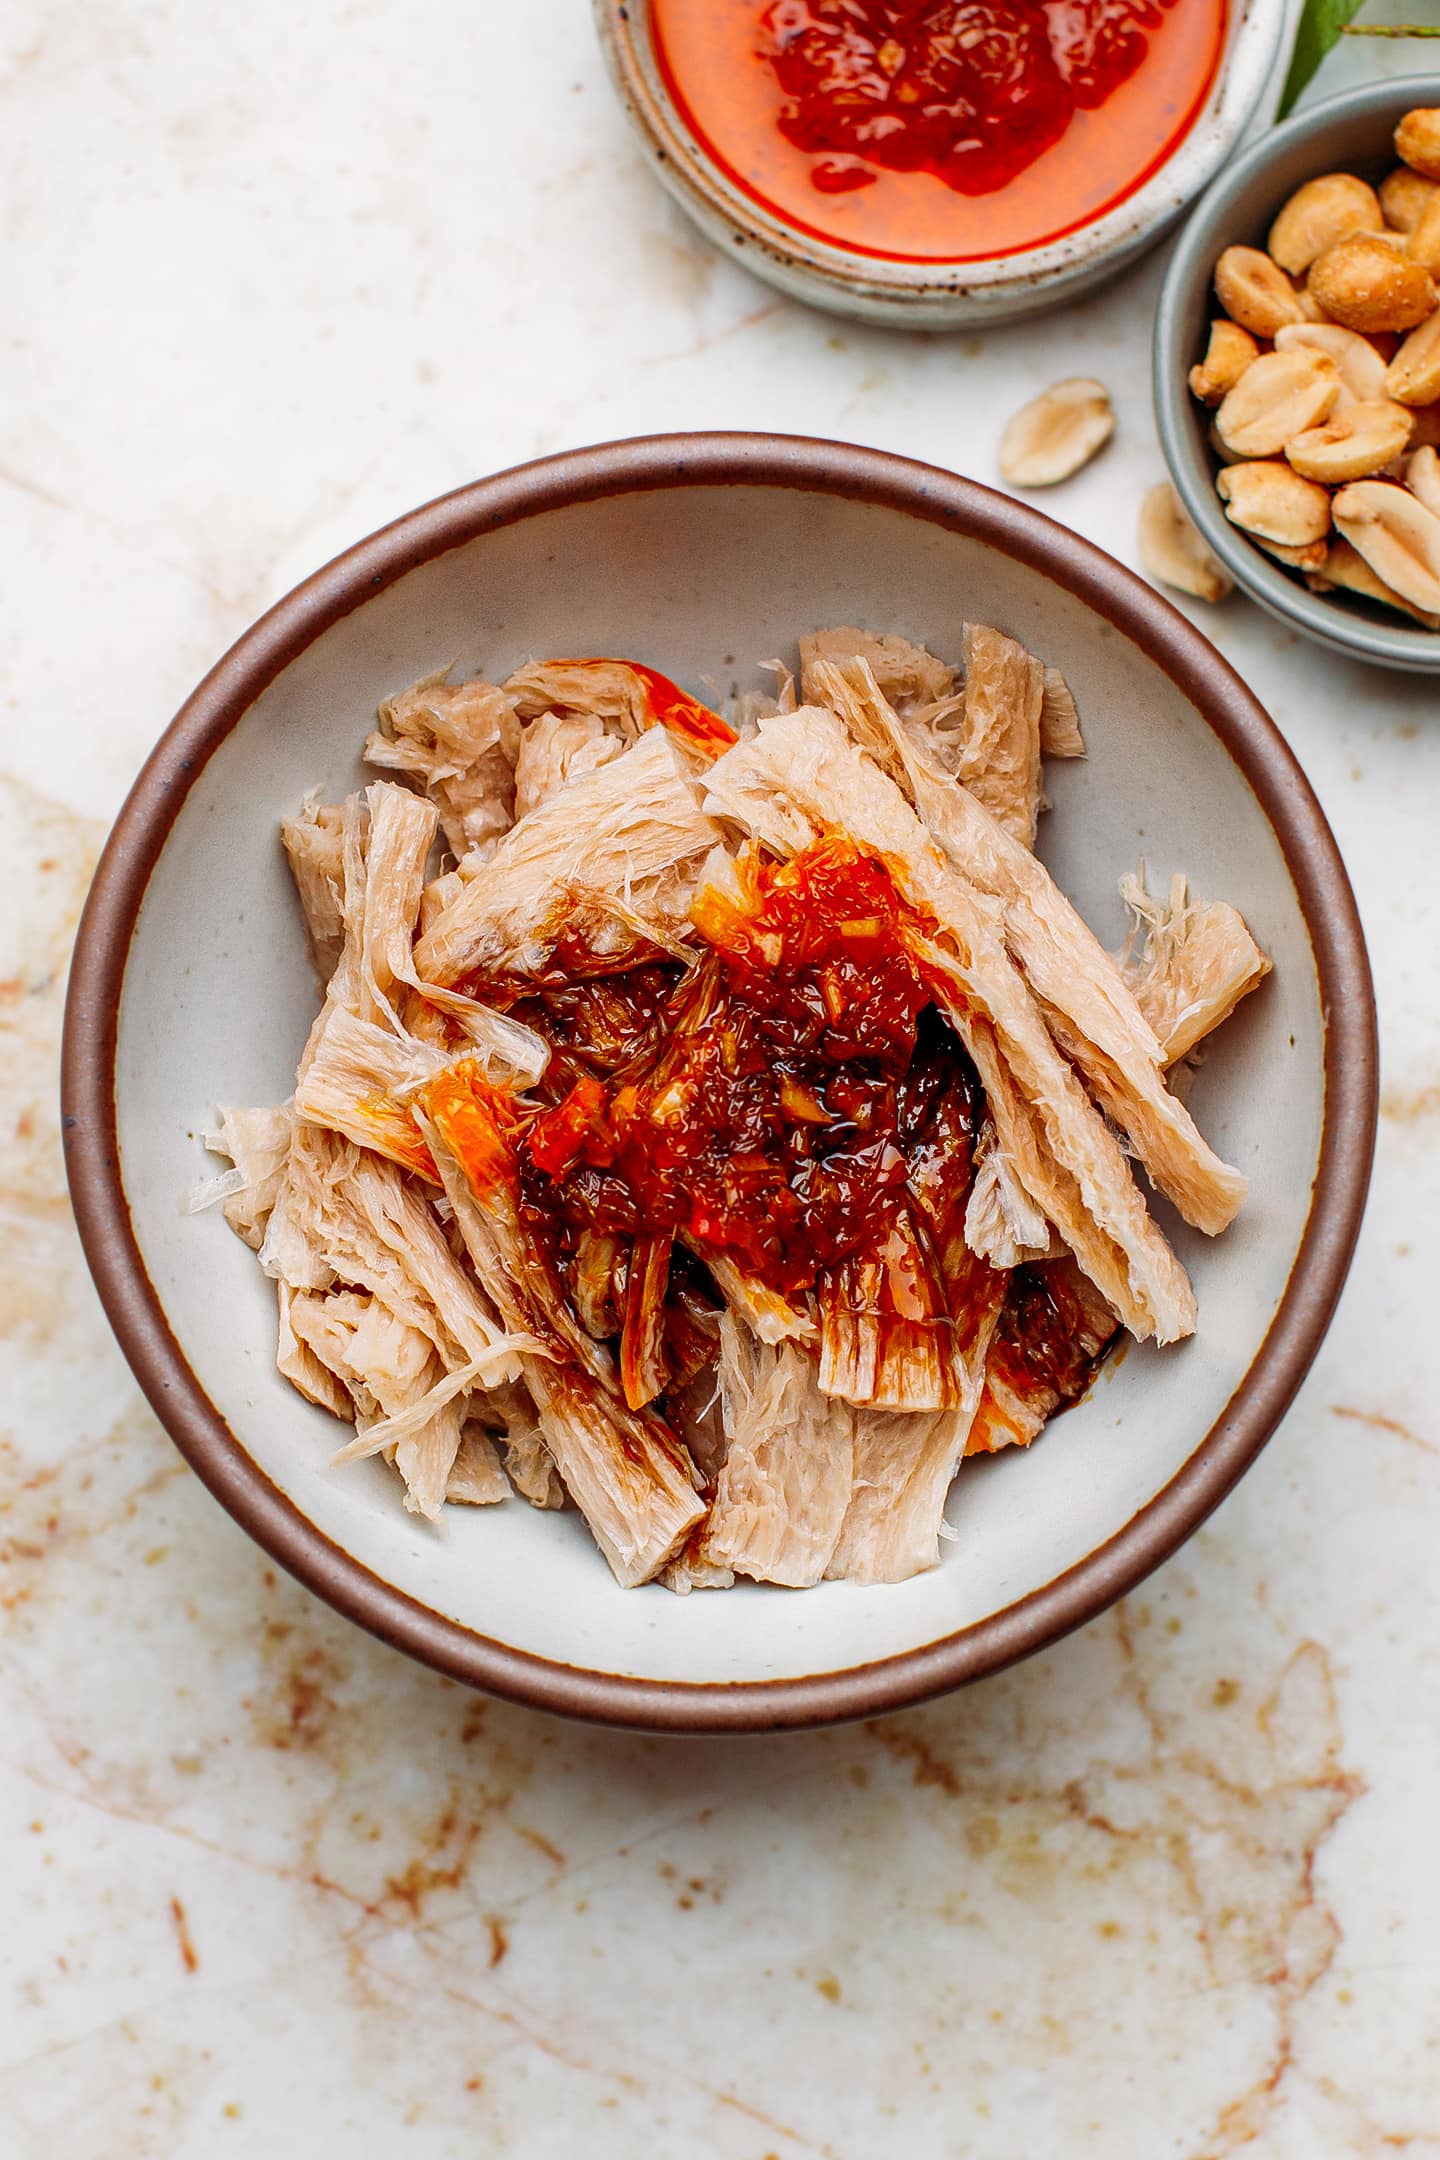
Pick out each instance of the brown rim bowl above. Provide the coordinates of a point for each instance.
(705, 554)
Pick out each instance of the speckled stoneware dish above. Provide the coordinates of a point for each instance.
(931, 295)
(705, 555)
(1350, 133)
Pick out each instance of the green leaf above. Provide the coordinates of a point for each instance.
(1322, 24)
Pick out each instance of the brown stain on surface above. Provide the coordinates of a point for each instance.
(183, 1937)
(50, 853)
(926, 1767)
(1226, 1836)
(1216, 1815)
(67, 1509)
(1407, 1106)
(1379, 1423)
(542, 1844)
(301, 1709)
(442, 1863)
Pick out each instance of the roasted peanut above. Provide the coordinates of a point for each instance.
(1362, 371)
(1417, 140)
(1361, 440)
(1278, 396)
(1324, 210)
(1228, 354)
(1310, 557)
(1413, 376)
(1345, 571)
(1422, 477)
(1367, 284)
(1349, 391)
(1272, 500)
(1172, 550)
(1403, 196)
(1056, 433)
(1218, 449)
(1255, 292)
(1397, 535)
(1423, 240)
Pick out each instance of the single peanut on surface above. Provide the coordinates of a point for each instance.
(1255, 292)
(1228, 354)
(1367, 284)
(1172, 550)
(1056, 433)
(1417, 140)
(1269, 498)
(1324, 210)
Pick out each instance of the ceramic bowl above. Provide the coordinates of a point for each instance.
(706, 554)
(930, 295)
(1349, 133)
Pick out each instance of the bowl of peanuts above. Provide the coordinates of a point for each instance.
(1297, 376)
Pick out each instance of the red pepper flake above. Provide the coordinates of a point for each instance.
(558, 1136)
(477, 1122)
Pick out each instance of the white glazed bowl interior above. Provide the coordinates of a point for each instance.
(706, 581)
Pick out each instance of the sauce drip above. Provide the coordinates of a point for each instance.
(668, 706)
(938, 130)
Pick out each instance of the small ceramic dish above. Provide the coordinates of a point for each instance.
(705, 555)
(938, 295)
(1350, 133)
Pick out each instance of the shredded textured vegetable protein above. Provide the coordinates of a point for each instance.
(723, 1129)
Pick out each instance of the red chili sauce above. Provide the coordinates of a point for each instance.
(938, 130)
(791, 1100)
(766, 1104)
(1049, 1342)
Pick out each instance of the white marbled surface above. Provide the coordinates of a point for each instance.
(270, 276)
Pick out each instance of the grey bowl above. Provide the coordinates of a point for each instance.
(1351, 132)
